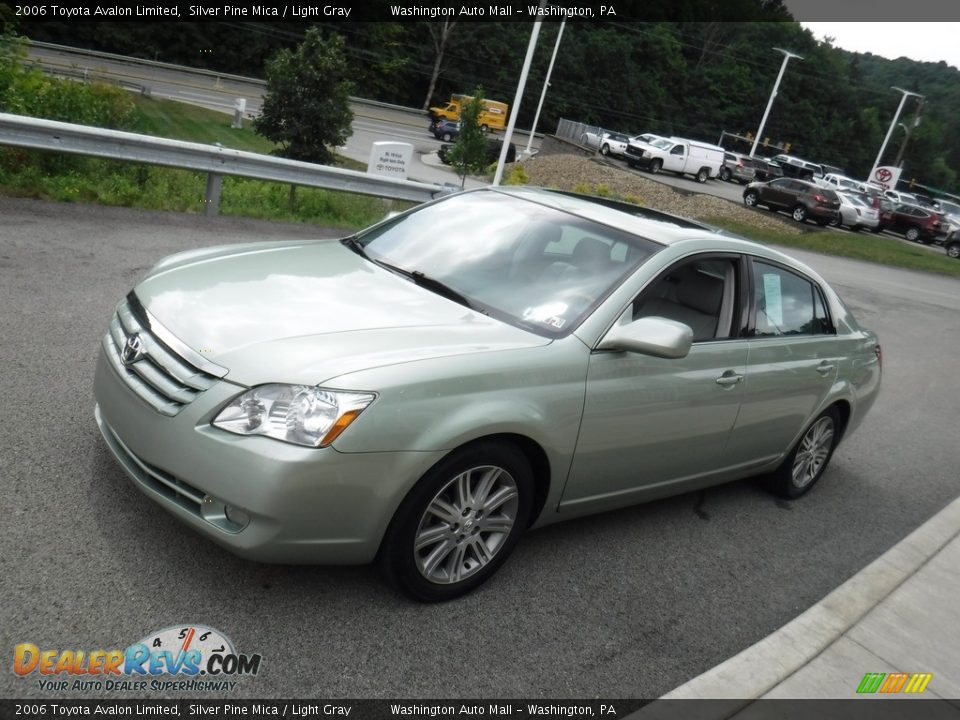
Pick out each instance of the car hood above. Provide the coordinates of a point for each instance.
(306, 312)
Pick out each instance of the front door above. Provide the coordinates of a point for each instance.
(650, 423)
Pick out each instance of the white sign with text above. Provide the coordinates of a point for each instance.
(391, 159)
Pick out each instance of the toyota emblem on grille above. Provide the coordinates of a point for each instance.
(134, 349)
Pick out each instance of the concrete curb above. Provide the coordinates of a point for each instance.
(761, 667)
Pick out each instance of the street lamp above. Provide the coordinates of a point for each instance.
(498, 175)
(903, 100)
(546, 84)
(773, 94)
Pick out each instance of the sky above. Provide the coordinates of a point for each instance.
(924, 41)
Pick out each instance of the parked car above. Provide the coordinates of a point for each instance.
(952, 244)
(803, 200)
(856, 212)
(679, 155)
(765, 170)
(424, 391)
(794, 167)
(739, 167)
(915, 223)
(614, 144)
(494, 147)
(840, 182)
(446, 130)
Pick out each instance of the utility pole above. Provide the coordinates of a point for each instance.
(773, 94)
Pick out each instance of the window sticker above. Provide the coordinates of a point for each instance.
(549, 314)
(773, 298)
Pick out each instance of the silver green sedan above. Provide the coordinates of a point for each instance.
(424, 391)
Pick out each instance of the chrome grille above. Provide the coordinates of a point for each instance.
(162, 377)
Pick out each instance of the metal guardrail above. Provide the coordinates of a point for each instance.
(20, 131)
(575, 132)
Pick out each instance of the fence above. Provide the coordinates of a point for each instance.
(216, 161)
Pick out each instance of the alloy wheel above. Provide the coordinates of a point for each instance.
(465, 524)
(813, 452)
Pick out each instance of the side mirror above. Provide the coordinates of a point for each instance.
(654, 336)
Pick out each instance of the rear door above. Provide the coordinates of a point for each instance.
(792, 362)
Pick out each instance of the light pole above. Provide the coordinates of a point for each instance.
(909, 131)
(903, 100)
(773, 94)
(546, 84)
(498, 175)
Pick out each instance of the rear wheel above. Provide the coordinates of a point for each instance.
(459, 523)
(655, 166)
(484, 128)
(805, 464)
(703, 174)
(799, 213)
(751, 198)
(725, 174)
(605, 149)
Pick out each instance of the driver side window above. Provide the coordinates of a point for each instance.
(700, 293)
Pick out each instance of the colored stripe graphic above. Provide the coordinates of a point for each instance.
(918, 682)
(871, 682)
(894, 683)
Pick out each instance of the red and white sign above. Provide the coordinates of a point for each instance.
(886, 176)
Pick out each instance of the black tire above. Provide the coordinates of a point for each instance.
(836, 222)
(401, 561)
(725, 174)
(751, 198)
(447, 137)
(913, 234)
(799, 213)
(484, 128)
(604, 149)
(953, 250)
(655, 166)
(703, 174)
(785, 481)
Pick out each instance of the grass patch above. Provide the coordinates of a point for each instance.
(859, 246)
(179, 121)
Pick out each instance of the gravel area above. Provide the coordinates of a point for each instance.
(570, 172)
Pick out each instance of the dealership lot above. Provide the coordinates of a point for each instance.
(626, 604)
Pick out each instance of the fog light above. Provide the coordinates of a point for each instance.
(236, 516)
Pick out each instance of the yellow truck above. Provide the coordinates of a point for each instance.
(493, 114)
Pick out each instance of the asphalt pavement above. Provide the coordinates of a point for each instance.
(628, 604)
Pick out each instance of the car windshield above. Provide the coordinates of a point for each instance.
(661, 143)
(527, 264)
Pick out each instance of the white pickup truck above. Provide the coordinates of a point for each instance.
(679, 155)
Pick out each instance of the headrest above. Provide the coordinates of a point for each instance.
(591, 253)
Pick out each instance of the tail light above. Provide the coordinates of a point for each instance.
(819, 199)
(879, 354)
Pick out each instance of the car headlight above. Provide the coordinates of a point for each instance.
(299, 414)
(647, 154)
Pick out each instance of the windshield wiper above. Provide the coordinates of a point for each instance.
(437, 286)
(355, 245)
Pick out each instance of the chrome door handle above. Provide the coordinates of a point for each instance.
(824, 368)
(729, 378)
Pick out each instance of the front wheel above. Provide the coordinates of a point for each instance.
(655, 166)
(484, 128)
(913, 234)
(806, 463)
(953, 250)
(750, 198)
(799, 213)
(836, 221)
(703, 175)
(447, 137)
(459, 523)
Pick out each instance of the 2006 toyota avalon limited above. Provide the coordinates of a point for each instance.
(423, 392)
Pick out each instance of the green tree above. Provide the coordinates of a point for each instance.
(469, 152)
(306, 109)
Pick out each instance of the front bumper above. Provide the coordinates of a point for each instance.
(302, 505)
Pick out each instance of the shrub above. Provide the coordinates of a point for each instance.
(517, 176)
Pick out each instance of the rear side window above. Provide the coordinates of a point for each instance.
(784, 303)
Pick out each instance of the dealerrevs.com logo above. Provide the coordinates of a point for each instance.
(188, 658)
